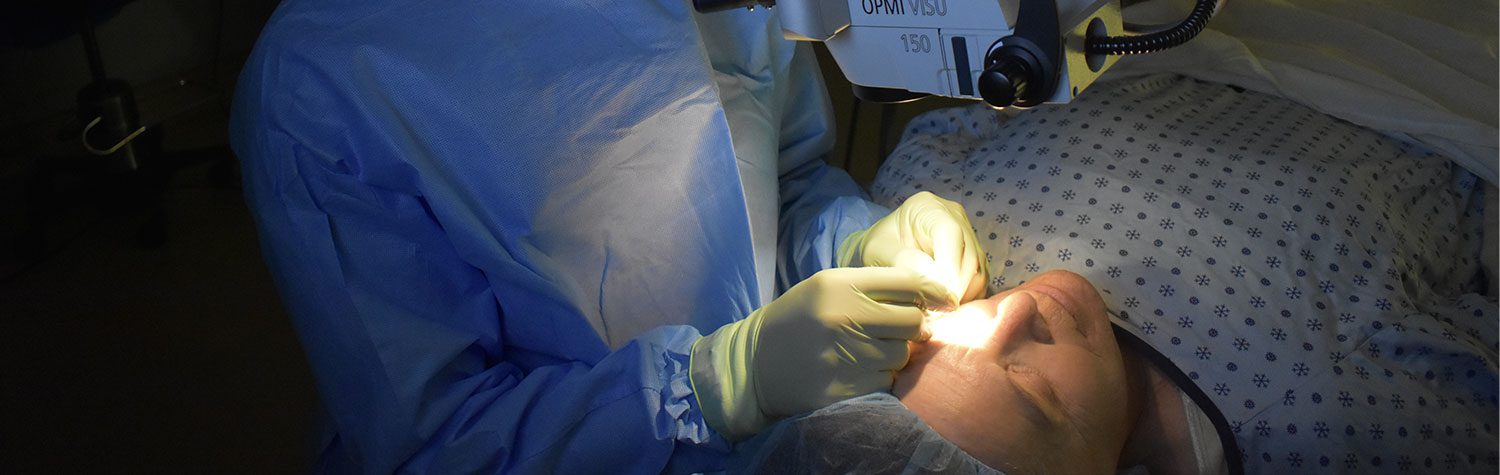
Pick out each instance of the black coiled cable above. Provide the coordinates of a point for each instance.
(1195, 22)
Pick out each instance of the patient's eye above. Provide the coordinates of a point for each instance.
(967, 326)
(1033, 391)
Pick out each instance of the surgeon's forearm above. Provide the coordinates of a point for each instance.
(820, 207)
(632, 412)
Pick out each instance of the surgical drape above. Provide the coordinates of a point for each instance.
(500, 226)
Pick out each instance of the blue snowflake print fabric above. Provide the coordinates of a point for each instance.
(1314, 278)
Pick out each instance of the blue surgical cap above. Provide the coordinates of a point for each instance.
(874, 433)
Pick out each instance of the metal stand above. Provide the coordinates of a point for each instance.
(121, 164)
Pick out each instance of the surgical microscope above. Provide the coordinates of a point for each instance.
(1008, 53)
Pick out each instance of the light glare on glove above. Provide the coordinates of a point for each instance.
(841, 333)
(927, 234)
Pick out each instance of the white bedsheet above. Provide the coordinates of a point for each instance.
(1423, 69)
(1312, 276)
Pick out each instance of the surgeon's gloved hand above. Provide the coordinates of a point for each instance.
(841, 333)
(927, 234)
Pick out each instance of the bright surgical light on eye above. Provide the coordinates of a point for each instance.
(968, 326)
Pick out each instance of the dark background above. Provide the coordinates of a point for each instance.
(120, 357)
(139, 329)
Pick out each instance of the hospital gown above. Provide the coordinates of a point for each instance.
(1314, 278)
(499, 227)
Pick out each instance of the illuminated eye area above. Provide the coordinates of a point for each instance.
(968, 326)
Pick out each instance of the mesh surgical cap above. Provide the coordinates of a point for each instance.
(874, 433)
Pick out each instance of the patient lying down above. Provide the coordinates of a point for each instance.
(1030, 380)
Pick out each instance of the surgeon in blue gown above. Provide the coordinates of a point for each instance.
(554, 236)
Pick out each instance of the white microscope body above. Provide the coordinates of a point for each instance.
(897, 50)
(940, 47)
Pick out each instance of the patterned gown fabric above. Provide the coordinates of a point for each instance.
(1313, 277)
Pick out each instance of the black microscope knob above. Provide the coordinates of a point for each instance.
(1003, 84)
(710, 6)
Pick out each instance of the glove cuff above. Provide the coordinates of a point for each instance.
(722, 381)
(848, 250)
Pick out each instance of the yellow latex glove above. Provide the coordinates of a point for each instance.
(927, 234)
(841, 333)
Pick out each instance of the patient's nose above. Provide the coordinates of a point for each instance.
(1020, 323)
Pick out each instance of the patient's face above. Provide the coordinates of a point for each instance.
(1029, 380)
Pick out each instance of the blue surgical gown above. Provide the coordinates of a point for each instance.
(500, 226)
